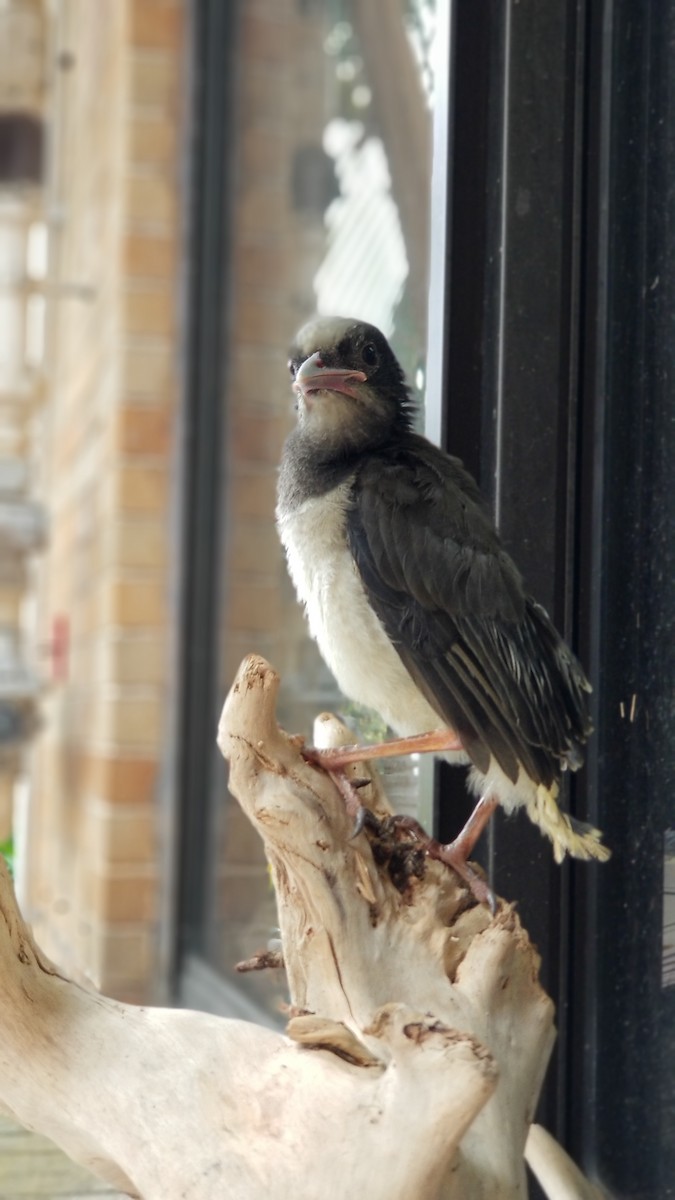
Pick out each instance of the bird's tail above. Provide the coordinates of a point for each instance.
(568, 835)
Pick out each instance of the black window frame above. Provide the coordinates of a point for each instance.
(584, 87)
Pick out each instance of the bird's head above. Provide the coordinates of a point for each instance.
(351, 392)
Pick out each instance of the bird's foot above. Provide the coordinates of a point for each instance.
(475, 882)
(349, 790)
(455, 854)
(333, 762)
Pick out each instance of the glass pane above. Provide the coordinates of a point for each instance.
(331, 215)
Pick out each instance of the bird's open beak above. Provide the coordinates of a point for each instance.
(313, 376)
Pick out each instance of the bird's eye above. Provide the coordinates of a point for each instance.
(369, 355)
(293, 367)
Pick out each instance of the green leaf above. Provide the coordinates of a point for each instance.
(7, 850)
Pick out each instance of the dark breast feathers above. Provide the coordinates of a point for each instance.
(485, 655)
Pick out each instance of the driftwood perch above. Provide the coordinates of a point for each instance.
(411, 1065)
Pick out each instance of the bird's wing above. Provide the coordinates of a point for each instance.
(485, 655)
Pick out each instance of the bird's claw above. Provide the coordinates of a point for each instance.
(359, 822)
(366, 819)
(362, 813)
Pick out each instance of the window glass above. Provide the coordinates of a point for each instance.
(331, 214)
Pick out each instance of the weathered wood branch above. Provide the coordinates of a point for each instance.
(409, 1071)
(359, 934)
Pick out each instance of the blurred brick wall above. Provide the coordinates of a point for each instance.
(116, 112)
(118, 95)
(22, 73)
(278, 242)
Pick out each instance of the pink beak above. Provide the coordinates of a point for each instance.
(314, 377)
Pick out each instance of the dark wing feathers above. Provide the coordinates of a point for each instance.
(485, 655)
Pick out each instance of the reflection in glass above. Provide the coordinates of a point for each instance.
(332, 170)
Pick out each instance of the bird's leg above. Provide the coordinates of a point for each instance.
(423, 743)
(466, 839)
(456, 853)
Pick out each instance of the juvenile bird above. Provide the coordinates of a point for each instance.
(416, 607)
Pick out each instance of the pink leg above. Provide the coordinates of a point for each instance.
(422, 743)
(456, 853)
(466, 839)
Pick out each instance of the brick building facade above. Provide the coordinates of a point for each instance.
(105, 450)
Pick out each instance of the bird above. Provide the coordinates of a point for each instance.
(417, 608)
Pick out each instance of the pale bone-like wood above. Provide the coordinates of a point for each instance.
(419, 1024)
(353, 942)
(559, 1177)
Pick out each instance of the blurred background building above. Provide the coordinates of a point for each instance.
(182, 187)
(92, 152)
(182, 183)
(22, 252)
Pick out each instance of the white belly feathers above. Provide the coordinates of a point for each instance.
(350, 636)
